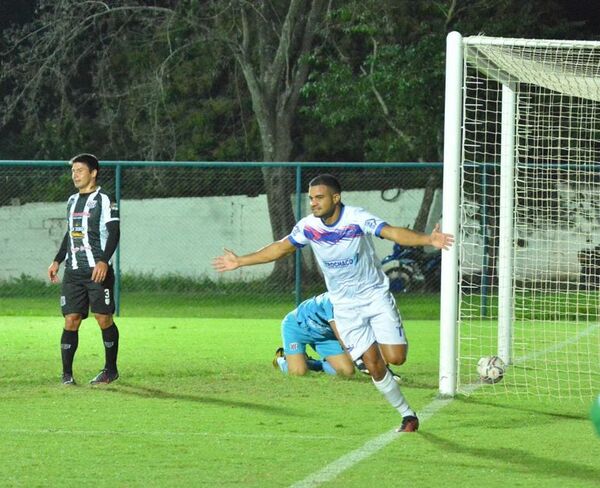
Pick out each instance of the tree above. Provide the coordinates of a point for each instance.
(271, 42)
(380, 73)
(80, 65)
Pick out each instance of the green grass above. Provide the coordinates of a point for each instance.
(199, 404)
(180, 304)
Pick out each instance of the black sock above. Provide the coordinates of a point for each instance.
(110, 337)
(68, 345)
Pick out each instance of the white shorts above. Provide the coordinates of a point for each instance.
(360, 326)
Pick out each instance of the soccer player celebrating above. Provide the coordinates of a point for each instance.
(311, 323)
(365, 311)
(89, 243)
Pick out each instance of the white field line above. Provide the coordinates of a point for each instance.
(335, 468)
(558, 347)
(332, 470)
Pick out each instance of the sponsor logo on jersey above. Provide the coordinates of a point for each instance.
(77, 234)
(81, 214)
(371, 225)
(114, 206)
(293, 346)
(341, 263)
(81, 248)
(334, 236)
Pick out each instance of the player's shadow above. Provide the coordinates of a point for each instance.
(156, 394)
(517, 460)
(512, 407)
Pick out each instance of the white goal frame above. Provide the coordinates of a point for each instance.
(456, 48)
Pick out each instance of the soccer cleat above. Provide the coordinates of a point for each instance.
(278, 354)
(104, 377)
(68, 380)
(361, 366)
(410, 423)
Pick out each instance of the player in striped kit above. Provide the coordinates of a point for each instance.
(365, 312)
(89, 243)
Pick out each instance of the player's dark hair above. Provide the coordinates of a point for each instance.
(327, 180)
(89, 160)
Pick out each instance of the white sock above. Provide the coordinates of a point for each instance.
(391, 391)
(283, 366)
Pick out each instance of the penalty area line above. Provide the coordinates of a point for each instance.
(335, 468)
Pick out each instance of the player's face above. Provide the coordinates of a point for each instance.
(82, 177)
(323, 201)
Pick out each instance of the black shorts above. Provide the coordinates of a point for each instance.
(79, 293)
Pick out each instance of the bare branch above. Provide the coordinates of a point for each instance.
(314, 17)
(283, 49)
(380, 100)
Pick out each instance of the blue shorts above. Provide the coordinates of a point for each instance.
(297, 336)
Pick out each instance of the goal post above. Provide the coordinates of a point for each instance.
(521, 186)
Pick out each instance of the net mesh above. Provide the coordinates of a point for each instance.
(555, 329)
(176, 217)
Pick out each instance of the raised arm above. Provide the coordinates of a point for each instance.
(229, 261)
(408, 237)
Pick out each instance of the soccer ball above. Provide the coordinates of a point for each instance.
(491, 369)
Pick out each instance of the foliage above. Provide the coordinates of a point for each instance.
(159, 80)
(379, 75)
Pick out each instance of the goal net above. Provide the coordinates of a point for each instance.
(527, 216)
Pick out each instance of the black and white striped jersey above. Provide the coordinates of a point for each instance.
(87, 216)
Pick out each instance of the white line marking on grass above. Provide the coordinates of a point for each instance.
(347, 461)
(332, 470)
(558, 347)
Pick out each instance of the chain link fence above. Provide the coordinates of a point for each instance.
(175, 217)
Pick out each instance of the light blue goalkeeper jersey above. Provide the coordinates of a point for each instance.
(315, 314)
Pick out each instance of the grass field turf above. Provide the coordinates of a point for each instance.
(199, 404)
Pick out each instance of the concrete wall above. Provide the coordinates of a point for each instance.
(178, 235)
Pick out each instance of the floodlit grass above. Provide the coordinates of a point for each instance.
(199, 404)
(208, 305)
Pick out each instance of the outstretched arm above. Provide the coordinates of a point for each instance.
(408, 237)
(229, 261)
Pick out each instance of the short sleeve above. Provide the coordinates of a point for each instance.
(110, 209)
(297, 237)
(369, 223)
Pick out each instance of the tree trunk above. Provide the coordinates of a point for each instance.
(433, 183)
(279, 184)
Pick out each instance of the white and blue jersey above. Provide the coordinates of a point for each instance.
(365, 310)
(309, 324)
(345, 253)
